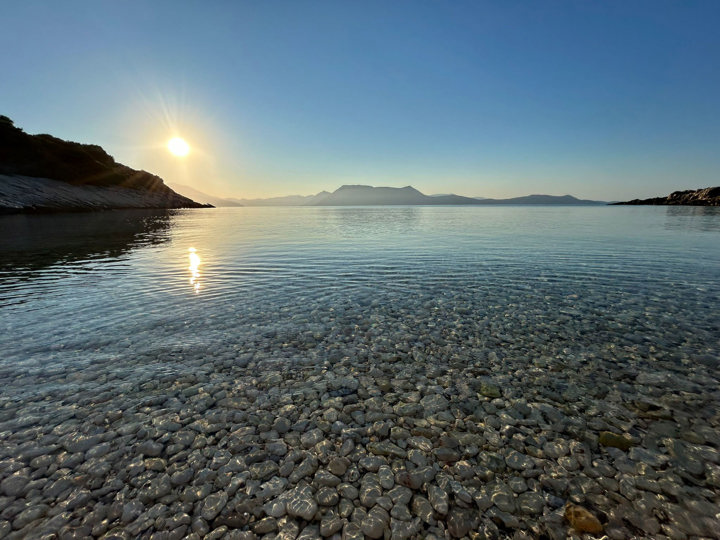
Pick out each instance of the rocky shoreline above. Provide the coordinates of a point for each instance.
(41, 174)
(22, 194)
(693, 197)
(263, 444)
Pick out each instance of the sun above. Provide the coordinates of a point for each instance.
(178, 147)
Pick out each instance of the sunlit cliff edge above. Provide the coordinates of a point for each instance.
(41, 173)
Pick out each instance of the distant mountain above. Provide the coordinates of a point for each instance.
(693, 197)
(541, 199)
(204, 198)
(358, 195)
(362, 195)
(448, 194)
(288, 200)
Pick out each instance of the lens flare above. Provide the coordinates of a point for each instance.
(178, 147)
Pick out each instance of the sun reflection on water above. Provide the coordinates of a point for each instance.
(194, 268)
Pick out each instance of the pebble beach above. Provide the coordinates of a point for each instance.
(487, 413)
(445, 439)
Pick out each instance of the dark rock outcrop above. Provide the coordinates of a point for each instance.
(692, 197)
(81, 165)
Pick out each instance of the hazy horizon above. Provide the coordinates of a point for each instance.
(176, 186)
(604, 101)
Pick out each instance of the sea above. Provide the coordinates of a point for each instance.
(77, 288)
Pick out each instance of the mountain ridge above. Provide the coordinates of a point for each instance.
(364, 195)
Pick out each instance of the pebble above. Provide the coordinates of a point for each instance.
(386, 448)
(213, 504)
(311, 438)
(330, 524)
(607, 438)
(369, 494)
(438, 499)
(503, 497)
(301, 503)
(327, 496)
(402, 420)
(582, 520)
(372, 526)
(265, 525)
(338, 465)
(530, 503)
(422, 508)
(352, 531)
(14, 485)
(150, 448)
(519, 462)
(459, 522)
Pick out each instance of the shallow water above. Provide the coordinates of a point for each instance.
(222, 366)
(74, 287)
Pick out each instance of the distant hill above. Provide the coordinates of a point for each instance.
(204, 198)
(362, 195)
(288, 200)
(43, 173)
(357, 195)
(367, 195)
(693, 197)
(541, 199)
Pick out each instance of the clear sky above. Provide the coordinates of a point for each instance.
(604, 99)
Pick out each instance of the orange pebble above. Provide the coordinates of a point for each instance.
(582, 520)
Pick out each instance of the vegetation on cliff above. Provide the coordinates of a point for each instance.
(75, 164)
(692, 197)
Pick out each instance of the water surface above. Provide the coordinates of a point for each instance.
(234, 344)
(82, 287)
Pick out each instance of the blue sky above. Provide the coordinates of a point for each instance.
(606, 100)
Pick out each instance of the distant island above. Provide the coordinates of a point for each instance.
(361, 195)
(41, 173)
(692, 197)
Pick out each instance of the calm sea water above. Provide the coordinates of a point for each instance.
(153, 290)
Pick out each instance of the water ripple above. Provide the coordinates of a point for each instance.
(74, 285)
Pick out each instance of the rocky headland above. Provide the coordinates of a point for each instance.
(41, 173)
(709, 196)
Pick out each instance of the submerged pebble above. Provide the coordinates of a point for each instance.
(511, 405)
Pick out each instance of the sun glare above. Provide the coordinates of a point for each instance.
(178, 147)
(194, 268)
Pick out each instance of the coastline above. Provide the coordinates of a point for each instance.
(24, 194)
(709, 196)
